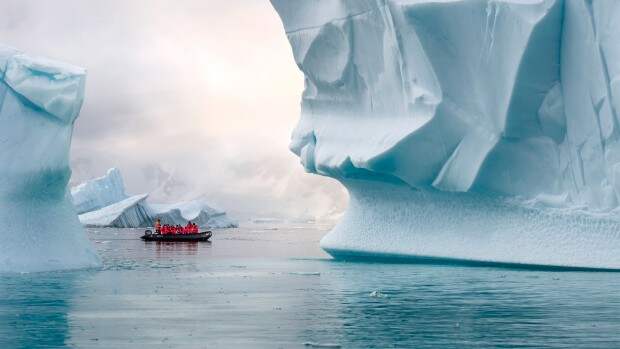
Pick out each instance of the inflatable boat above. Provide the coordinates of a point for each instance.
(150, 236)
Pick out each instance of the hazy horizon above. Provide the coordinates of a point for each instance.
(187, 100)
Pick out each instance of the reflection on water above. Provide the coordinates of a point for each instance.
(168, 248)
(34, 308)
(274, 288)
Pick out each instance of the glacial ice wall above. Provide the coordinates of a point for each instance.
(39, 102)
(451, 108)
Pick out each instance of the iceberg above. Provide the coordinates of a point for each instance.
(470, 130)
(127, 213)
(102, 202)
(39, 102)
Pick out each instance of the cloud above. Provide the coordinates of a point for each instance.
(186, 98)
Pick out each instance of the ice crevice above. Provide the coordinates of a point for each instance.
(341, 19)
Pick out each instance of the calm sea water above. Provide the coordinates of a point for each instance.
(272, 287)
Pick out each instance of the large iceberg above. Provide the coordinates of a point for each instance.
(39, 102)
(472, 130)
(102, 202)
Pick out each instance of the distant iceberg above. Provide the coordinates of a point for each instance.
(102, 202)
(39, 102)
(197, 211)
(483, 131)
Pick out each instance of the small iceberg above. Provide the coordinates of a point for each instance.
(377, 294)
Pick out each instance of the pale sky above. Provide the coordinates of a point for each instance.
(185, 97)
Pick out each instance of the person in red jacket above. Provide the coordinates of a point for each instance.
(157, 226)
(195, 228)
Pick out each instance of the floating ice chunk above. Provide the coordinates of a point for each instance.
(377, 294)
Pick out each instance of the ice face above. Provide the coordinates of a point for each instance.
(39, 102)
(493, 100)
(385, 96)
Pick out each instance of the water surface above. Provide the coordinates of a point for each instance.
(270, 286)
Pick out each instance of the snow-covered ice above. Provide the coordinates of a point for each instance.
(102, 202)
(474, 130)
(39, 102)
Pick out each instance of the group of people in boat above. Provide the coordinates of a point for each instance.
(190, 228)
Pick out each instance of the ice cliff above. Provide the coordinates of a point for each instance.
(102, 202)
(470, 130)
(39, 102)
